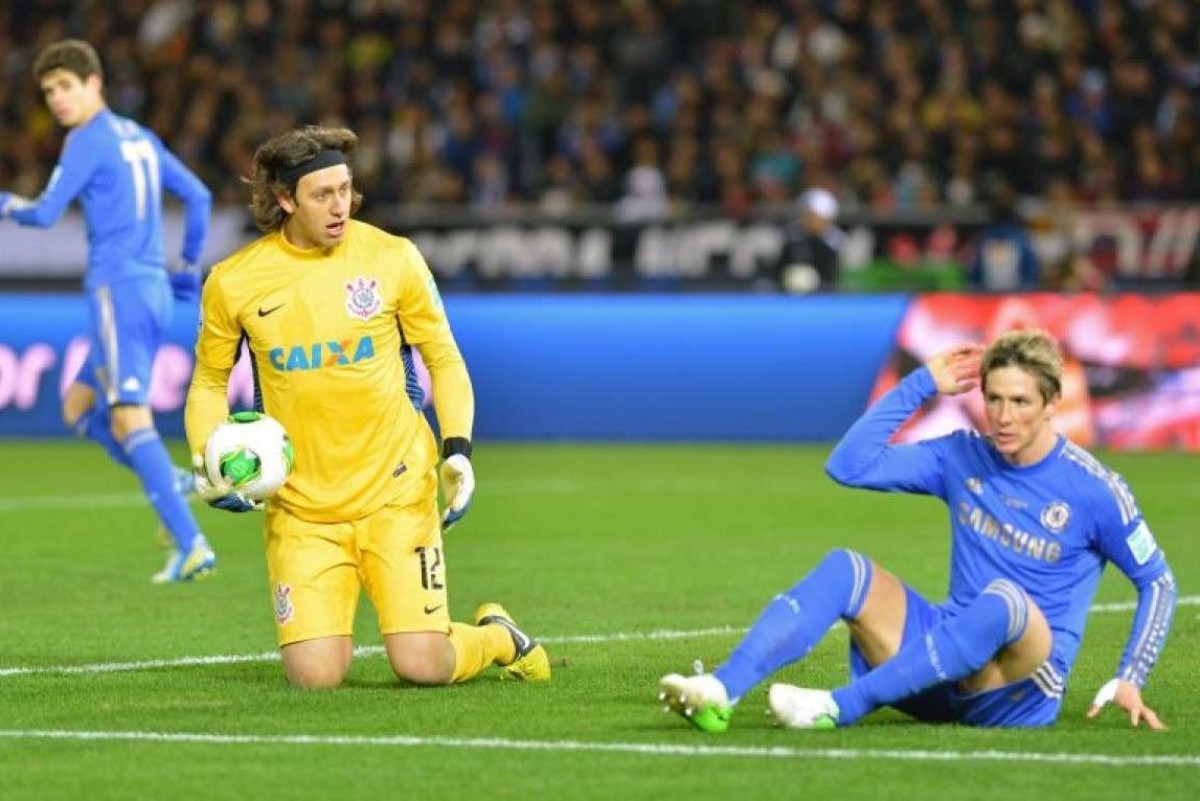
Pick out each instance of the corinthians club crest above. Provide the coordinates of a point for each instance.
(284, 611)
(362, 301)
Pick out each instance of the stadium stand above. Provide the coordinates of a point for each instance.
(650, 102)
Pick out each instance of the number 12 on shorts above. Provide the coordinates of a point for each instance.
(430, 580)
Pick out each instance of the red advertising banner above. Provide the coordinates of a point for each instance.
(1138, 244)
(1132, 363)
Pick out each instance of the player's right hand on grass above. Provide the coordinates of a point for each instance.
(220, 494)
(1127, 696)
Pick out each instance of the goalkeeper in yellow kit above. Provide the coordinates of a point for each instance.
(331, 309)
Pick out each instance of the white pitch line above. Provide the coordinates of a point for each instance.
(641, 749)
(360, 651)
(107, 500)
(375, 650)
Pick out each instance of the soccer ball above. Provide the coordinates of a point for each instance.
(252, 452)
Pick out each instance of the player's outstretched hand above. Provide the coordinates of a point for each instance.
(1126, 695)
(458, 485)
(956, 371)
(10, 203)
(185, 281)
(219, 494)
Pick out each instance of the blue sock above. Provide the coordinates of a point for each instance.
(796, 620)
(152, 463)
(96, 425)
(952, 650)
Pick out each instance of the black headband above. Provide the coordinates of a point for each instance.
(324, 158)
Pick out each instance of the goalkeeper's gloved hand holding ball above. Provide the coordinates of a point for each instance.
(220, 494)
(458, 485)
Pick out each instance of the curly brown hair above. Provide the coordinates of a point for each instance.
(282, 152)
(73, 55)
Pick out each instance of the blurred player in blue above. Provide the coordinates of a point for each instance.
(117, 170)
(1034, 519)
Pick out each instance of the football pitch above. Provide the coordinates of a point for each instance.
(629, 561)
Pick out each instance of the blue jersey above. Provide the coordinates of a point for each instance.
(1051, 527)
(118, 169)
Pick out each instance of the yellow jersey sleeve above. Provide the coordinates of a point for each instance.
(423, 323)
(216, 351)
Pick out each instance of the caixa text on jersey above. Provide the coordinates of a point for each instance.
(321, 354)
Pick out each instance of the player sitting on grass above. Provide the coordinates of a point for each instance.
(1034, 520)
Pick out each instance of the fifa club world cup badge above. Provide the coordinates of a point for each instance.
(362, 301)
(283, 603)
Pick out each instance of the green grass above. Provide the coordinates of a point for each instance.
(596, 540)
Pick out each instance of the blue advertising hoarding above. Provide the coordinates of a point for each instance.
(571, 367)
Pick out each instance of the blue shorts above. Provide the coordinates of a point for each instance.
(1022, 704)
(129, 320)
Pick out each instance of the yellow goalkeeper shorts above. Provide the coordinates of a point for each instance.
(316, 569)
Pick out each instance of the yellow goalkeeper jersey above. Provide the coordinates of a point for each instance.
(331, 334)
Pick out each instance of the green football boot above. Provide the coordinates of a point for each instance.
(701, 700)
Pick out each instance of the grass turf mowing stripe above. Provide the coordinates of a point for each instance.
(549, 486)
(374, 650)
(645, 749)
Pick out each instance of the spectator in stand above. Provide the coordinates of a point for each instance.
(1004, 257)
(810, 258)
(908, 102)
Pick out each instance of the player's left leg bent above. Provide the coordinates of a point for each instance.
(1021, 656)
(988, 631)
(405, 575)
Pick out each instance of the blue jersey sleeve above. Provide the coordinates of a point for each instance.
(72, 173)
(197, 201)
(863, 457)
(1124, 538)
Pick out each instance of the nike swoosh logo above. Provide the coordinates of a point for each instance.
(429, 610)
(264, 312)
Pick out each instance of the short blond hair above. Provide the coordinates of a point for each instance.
(1033, 350)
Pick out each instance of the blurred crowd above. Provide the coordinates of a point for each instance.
(649, 104)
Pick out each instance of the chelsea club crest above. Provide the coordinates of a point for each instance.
(362, 301)
(1055, 517)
